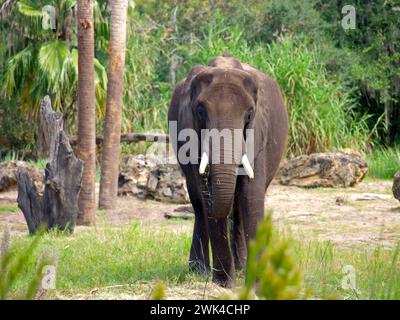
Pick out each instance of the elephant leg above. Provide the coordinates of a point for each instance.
(252, 198)
(199, 258)
(252, 217)
(223, 265)
(238, 241)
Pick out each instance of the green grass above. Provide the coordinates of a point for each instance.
(8, 208)
(377, 273)
(39, 163)
(106, 256)
(18, 156)
(383, 163)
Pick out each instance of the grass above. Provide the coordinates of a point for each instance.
(105, 256)
(383, 163)
(8, 208)
(14, 155)
(130, 255)
(376, 270)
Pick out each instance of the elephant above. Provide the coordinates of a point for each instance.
(228, 95)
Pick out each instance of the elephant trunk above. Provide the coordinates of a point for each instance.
(223, 173)
(223, 184)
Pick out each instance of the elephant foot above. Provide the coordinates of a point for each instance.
(199, 267)
(224, 280)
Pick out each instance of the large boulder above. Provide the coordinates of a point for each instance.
(8, 170)
(143, 177)
(331, 169)
(396, 186)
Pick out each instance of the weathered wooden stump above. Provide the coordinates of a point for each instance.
(57, 206)
(30, 200)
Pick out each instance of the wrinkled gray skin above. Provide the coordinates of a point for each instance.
(228, 94)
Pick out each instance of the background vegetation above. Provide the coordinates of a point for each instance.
(342, 87)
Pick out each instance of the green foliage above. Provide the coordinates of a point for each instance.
(158, 291)
(146, 97)
(340, 85)
(13, 265)
(271, 267)
(383, 163)
(321, 113)
(40, 62)
(370, 59)
(8, 208)
(375, 270)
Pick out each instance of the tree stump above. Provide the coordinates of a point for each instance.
(57, 207)
(30, 200)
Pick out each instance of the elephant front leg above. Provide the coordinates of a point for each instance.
(238, 241)
(252, 198)
(199, 260)
(223, 266)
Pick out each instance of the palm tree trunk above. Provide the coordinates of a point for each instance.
(115, 90)
(86, 111)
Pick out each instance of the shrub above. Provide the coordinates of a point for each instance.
(12, 267)
(270, 266)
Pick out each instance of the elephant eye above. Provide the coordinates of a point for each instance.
(201, 112)
(249, 116)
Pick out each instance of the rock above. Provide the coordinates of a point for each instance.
(331, 169)
(142, 177)
(184, 213)
(396, 186)
(8, 178)
(339, 201)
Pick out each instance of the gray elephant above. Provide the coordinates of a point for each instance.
(228, 95)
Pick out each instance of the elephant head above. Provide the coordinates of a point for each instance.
(223, 101)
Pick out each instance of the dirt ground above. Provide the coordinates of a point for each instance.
(366, 214)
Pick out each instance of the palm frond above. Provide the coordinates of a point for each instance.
(19, 68)
(52, 56)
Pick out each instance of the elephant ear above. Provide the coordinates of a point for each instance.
(197, 79)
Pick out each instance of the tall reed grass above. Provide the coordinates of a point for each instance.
(383, 163)
(321, 112)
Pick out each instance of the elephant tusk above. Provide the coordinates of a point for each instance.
(203, 163)
(247, 166)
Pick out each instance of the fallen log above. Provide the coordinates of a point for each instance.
(57, 207)
(132, 137)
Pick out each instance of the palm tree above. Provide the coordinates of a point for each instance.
(115, 90)
(41, 61)
(86, 111)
